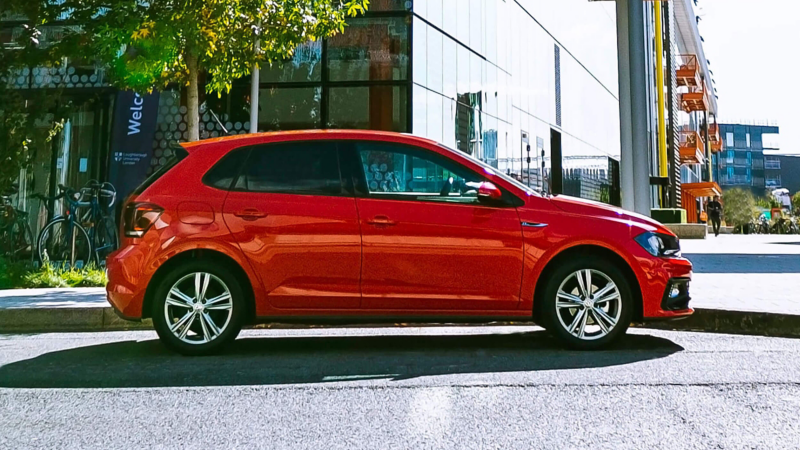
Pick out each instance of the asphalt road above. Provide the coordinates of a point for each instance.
(415, 388)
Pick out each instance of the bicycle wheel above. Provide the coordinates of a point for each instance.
(20, 241)
(65, 244)
(106, 239)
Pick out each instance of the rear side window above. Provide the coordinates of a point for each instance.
(224, 172)
(310, 168)
(178, 153)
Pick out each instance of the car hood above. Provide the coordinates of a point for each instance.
(580, 206)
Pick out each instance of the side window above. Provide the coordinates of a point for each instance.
(395, 171)
(225, 171)
(310, 168)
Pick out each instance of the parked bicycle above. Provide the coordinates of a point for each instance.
(16, 237)
(85, 233)
(761, 225)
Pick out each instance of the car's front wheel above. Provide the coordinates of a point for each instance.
(587, 303)
(198, 308)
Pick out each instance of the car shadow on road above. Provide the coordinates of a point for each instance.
(284, 360)
(743, 263)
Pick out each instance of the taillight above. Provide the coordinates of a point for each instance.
(139, 217)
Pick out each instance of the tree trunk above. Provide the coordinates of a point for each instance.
(192, 99)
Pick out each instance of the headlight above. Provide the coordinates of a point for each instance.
(658, 244)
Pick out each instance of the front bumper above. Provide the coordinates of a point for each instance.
(665, 289)
(676, 296)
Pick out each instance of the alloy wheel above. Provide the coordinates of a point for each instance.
(588, 304)
(198, 308)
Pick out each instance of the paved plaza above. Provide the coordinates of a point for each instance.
(746, 273)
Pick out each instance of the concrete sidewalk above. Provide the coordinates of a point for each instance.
(72, 309)
(742, 284)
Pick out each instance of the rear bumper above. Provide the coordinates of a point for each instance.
(125, 291)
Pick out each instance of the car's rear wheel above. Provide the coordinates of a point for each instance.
(198, 308)
(587, 303)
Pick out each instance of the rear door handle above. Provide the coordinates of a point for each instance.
(381, 221)
(250, 214)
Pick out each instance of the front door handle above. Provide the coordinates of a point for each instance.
(381, 221)
(534, 224)
(250, 214)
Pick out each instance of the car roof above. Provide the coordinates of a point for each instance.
(276, 136)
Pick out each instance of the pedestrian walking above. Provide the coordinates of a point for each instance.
(714, 209)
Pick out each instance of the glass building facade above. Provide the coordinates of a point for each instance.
(742, 163)
(503, 81)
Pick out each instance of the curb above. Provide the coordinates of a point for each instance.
(54, 320)
(735, 322)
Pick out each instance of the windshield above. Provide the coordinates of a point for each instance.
(491, 170)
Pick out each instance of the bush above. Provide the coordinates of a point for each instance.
(768, 202)
(740, 207)
(796, 201)
(20, 275)
(11, 274)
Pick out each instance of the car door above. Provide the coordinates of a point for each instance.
(428, 243)
(298, 225)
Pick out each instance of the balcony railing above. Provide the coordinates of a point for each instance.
(688, 73)
(735, 180)
(714, 138)
(691, 147)
(694, 100)
(773, 182)
(772, 163)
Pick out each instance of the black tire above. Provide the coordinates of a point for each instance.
(106, 240)
(53, 241)
(201, 345)
(18, 243)
(26, 248)
(555, 320)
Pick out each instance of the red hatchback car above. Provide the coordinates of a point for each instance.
(359, 226)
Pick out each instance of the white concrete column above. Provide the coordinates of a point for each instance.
(625, 138)
(254, 81)
(639, 106)
(634, 152)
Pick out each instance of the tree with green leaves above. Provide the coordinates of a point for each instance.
(151, 45)
(740, 207)
(28, 118)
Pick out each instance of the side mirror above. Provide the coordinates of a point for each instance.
(488, 191)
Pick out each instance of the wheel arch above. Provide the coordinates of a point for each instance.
(590, 250)
(194, 255)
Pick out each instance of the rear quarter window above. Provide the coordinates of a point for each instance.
(225, 172)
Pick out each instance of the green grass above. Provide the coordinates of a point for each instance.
(20, 275)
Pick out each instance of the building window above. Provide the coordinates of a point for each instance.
(289, 108)
(305, 66)
(368, 107)
(748, 140)
(772, 163)
(729, 140)
(357, 79)
(773, 181)
(370, 49)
